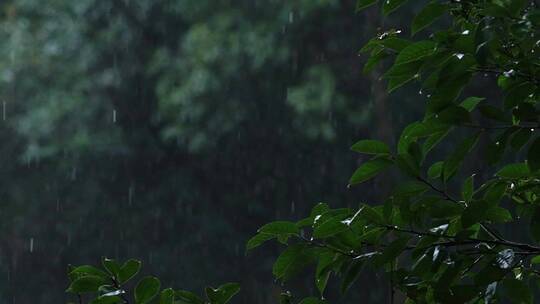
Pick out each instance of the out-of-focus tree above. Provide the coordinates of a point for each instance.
(169, 131)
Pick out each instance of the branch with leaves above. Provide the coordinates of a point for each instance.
(436, 246)
(108, 286)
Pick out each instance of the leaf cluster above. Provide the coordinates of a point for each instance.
(109, 285)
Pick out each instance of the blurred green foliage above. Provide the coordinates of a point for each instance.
(169, 131)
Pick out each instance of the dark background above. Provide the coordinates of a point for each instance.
(169, 131)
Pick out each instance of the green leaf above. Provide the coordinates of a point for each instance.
(494, 10)
(107, 300)
(223, 293)
(404, 71)
(370, 214)
(293, 259)
(369, 170)
(361, 4)
(397, 82)
(167, 296)
(330, 227)
(285, 297)
(187, 297)
(86, 270)
(391, 5)
(319, 209)
(533, 155)
(535, 260)
(470, 103)
(322, 273)
(280, 228)
(408, 164)
(452, 164)
(88, 283)
(427, 128)
(518, 94)
(493, 113)
(312, 300)
(428, 15)
(351, 275)
(498, 215)
(409, 189)
(369, 146)
(435, 170)
(443, 209)
(416, 51)
(517, 291)
(146, 290)
(514, 171)
(111, 266)
(535, 225)
(128, 270)
(495, 192)
(520, 138)
(373, 60)
(433, 140)
(453, 115)
(405, 139)
(489, 274)
(468, 189)
(474, 213)
(392, 251)
(258, 240)
(394, 43)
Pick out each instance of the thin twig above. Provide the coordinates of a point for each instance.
(530, 249)
(499, 127)
(447, 196)
(117, 286)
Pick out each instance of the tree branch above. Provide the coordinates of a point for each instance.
(528, 249)
(488, 230)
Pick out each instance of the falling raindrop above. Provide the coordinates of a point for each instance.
(31, 245)
(291, 17)
(3, 110)
(114, 116)
(130, 194)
